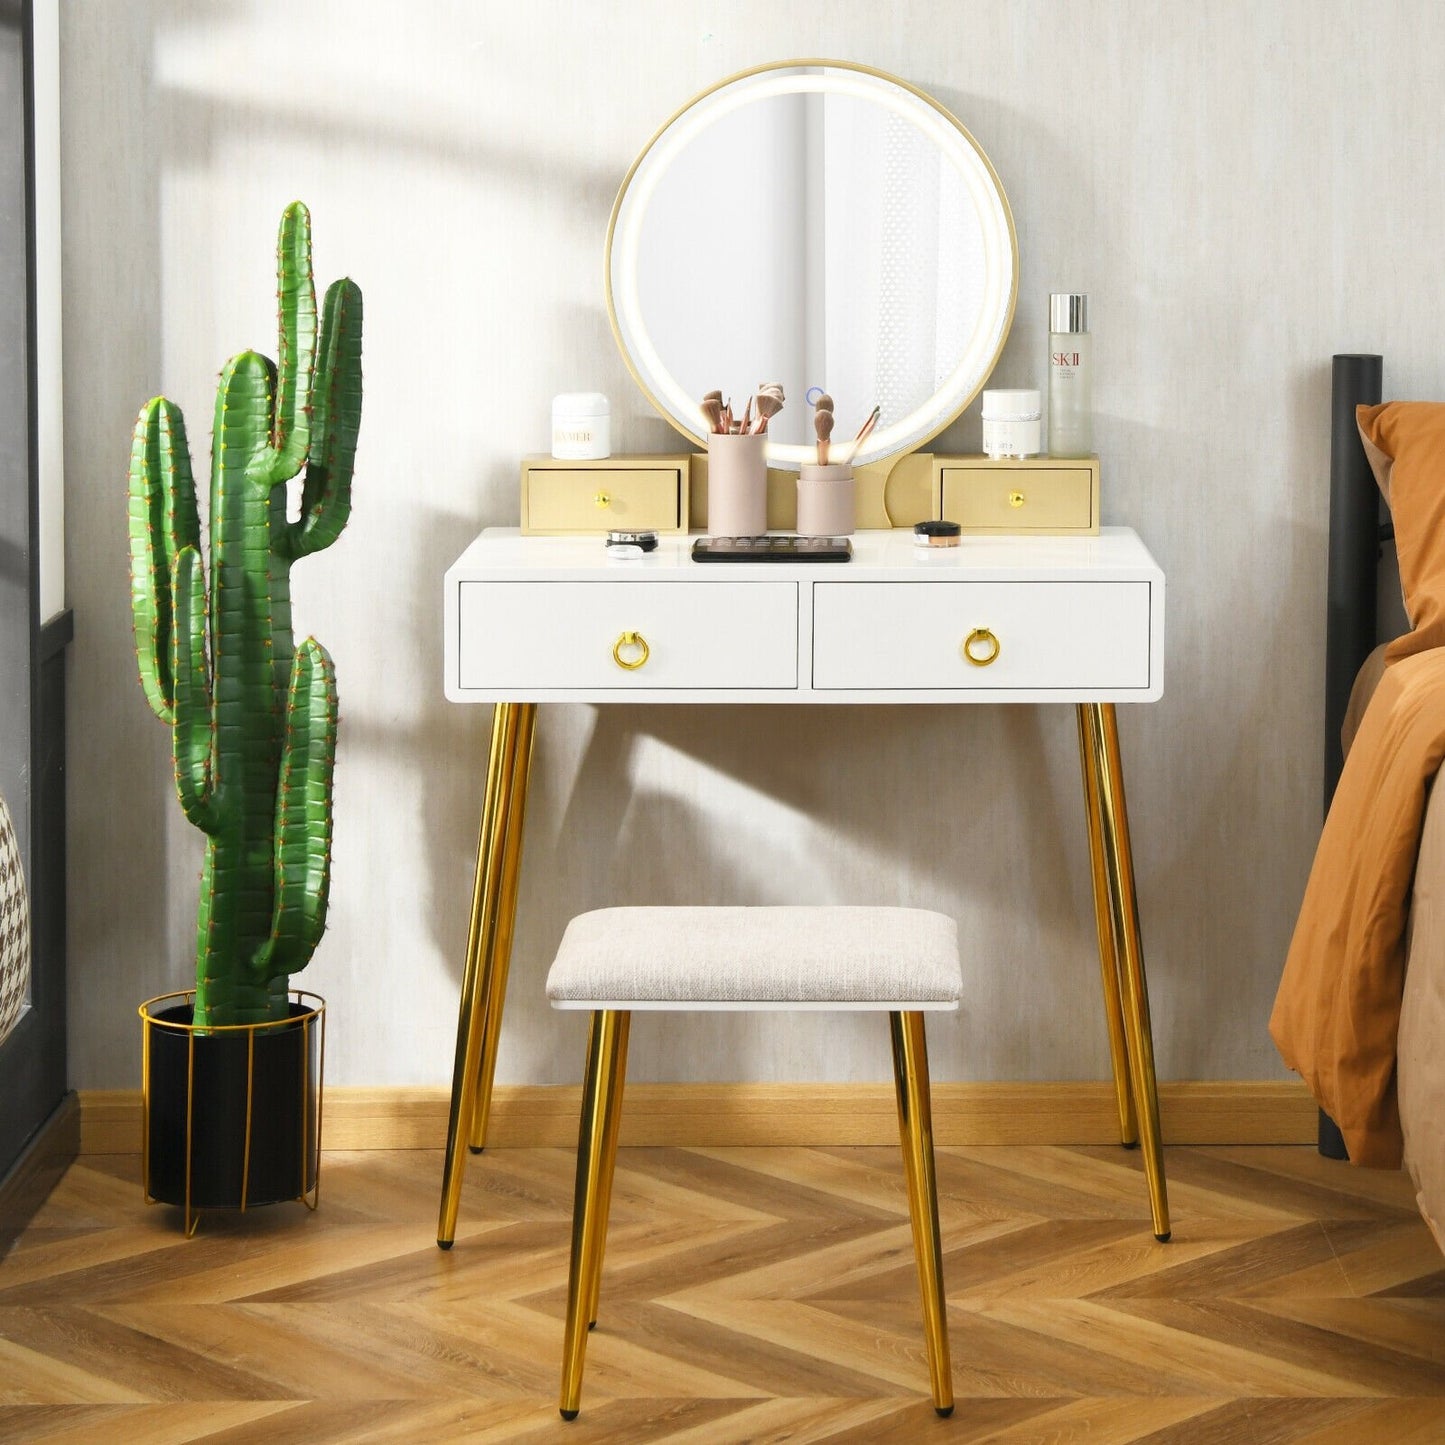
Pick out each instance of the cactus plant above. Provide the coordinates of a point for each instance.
(252, 716)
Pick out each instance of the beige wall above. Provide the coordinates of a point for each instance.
(1242, 189)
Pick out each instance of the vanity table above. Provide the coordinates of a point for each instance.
(1074, 620)
(871, 254)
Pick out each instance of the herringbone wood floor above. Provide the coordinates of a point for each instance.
(749, 1295)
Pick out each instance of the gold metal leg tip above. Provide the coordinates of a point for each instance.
(568, 1414)
(476, 1148)
(1130, 1144)
(943, 1411)
(1164, 1238)
(444, 1244)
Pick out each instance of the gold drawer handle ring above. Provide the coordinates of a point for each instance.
(603, 499)
(1015, 499)
(980, 637)
(631, 640)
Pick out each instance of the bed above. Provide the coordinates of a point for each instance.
(1361, 1007)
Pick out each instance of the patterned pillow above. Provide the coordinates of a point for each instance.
(14, 928)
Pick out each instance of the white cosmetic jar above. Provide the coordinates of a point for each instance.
(581, 427)
(1012, 425)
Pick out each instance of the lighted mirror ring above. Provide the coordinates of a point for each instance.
(999, 246)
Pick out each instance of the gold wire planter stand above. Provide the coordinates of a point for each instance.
(228, 1153)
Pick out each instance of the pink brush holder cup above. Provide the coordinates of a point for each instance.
(737, 485)
(825, 501)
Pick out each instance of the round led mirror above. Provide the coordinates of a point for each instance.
(825, 226)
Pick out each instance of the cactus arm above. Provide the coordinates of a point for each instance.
(192, 737)
(335, 423)
(162, 521)
(250, 609)
(289, 428)
(302, 869)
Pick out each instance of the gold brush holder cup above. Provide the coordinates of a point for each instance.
(825, 500)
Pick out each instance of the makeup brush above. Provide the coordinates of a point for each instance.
(747, 425)
(864, 432)
(712, 410)
(823, 425)
(770, 403)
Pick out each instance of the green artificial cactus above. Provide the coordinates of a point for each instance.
(252, 716)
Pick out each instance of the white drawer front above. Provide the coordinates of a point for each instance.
(532, 636)
(1050, 635)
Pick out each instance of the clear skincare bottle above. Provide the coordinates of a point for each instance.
(1070, 376)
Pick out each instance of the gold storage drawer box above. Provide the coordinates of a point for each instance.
(621, 493)
(1032, 495)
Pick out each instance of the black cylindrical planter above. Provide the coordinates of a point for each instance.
(232, 1114)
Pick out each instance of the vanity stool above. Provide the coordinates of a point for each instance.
(900, 960)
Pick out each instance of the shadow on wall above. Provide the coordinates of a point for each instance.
(1215, 807)
(193, 120)
(808, 805)
(441, 746)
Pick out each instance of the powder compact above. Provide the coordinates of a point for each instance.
(936, 534)
(631, 544)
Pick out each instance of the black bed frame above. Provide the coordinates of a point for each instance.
(1357, 536)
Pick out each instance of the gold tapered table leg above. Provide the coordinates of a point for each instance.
(915, 1130)
(1103, 735)
(501, 960)
(1103, 918)
(497, 804)
(596, 1154)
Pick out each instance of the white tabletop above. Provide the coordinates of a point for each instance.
(1115, 554)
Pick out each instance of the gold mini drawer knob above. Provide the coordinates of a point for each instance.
(636, 648)
(603, 499)
(980, 647)
(1015, 499)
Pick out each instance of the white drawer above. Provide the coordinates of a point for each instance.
(530, 636)
(910, 636)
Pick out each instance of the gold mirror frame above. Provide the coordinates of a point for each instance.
(888, 442)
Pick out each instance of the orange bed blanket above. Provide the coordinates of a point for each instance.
(1337, 1014)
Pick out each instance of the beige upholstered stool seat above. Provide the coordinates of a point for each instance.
(899, 961)
(757, 958)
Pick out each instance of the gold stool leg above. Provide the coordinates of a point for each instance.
(915, 1128)
(1103, 920)
(481, 952)
(611, 1125)
(601, 1099)
(501, 957)
(1124, 911)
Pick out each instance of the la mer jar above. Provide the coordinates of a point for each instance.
(1012, 426)
(581, 427)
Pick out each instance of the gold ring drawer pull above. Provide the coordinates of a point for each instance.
(603, 499)
(1015, 499)
(634, 642)
(980, 647)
